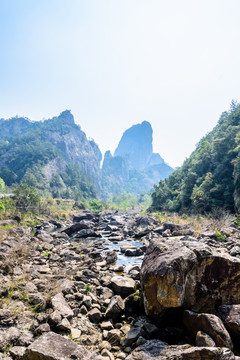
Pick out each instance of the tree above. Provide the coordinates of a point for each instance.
(26, 198)
(2, 185)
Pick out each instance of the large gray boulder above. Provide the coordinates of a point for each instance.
(189, 274)
(157, 350)
(52, 346)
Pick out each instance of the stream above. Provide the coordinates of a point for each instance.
(122, 260)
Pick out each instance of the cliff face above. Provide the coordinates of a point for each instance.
(74, 145)
(134, 167)
(136, 145)
(28, 148)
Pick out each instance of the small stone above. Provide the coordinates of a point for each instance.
(107, 293)
(75, 333)
(43, 328)
(95, 315)
(140, 341)
(64, 325)
(83, 310)
(132, 336)
(115, 308)
(17, 351)
(121, 356)
(203, 339)
(114, 337)
(105, 345)
(107, 354)
(107, 325)
(55, 318)
(87, 301)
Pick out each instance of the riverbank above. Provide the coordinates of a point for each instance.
(80, 280)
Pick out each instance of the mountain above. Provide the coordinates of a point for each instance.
(210, 177)
(134, 167)
(56, 157)
(53, 155)
(136, 145)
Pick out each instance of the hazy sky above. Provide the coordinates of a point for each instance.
(115, 63)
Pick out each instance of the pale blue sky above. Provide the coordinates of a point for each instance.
(115, 63)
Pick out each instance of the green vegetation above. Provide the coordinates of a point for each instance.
(2, 185)
(210, 177)
(236, 221)
(88, 288)
(47, 253)
(6, 226)
(220, 236)
(38, 154)
(26, 198)
(24, 295)
(126, 201)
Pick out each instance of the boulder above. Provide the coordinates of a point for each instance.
(209, 324)
(230, 315)
(95, 315)
(133, 252)
(148, 351)
(132, 336)
(209, 233)
(88, 216)
(85, 233)
(158, 350)
(123, 286)
(115, 308)
(110, 257)
(142, 233)
(59, 304)
(6, 317)
(145, 221)
(52, 346)
(177, 273)
(84, 224)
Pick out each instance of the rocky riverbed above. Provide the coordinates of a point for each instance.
(118, 286)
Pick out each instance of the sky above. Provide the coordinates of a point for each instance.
(115, 63)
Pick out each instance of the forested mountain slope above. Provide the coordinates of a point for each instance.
(52, 155)
(210, 177)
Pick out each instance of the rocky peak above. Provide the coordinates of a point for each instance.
(136, 145)
(133, 167)
(67, 116)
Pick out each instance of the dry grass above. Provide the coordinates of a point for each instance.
(199, 223)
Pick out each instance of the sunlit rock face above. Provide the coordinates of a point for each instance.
(188, 274)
